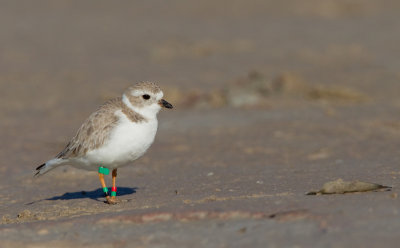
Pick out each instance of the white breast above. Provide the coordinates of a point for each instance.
(128, 141)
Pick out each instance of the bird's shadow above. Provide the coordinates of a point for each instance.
(96, 194)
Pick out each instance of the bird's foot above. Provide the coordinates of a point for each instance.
(112, 200)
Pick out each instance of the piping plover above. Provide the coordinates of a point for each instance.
(119, 132)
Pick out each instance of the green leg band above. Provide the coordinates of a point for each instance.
(105, 190)
(113, 193)
(104, 170)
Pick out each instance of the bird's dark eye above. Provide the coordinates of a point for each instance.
(146, 97)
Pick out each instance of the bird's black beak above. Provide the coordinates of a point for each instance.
(165, 104)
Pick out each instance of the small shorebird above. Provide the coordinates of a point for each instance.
(119, 132)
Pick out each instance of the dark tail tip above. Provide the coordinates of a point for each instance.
(38, 170)
(40, 166)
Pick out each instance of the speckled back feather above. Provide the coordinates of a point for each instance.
(95, 131)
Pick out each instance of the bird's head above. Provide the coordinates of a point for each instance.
(146, 98)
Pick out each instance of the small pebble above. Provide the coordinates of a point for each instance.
(43, 231)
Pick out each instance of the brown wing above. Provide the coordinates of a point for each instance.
(94, 131)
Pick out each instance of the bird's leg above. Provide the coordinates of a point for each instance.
(114, 188)
(103, 184)
(105, 171)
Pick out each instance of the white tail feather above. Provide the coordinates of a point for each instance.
(49, 165)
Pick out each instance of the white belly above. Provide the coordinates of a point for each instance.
(128, 141)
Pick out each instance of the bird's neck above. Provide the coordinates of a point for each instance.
(147, 112)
